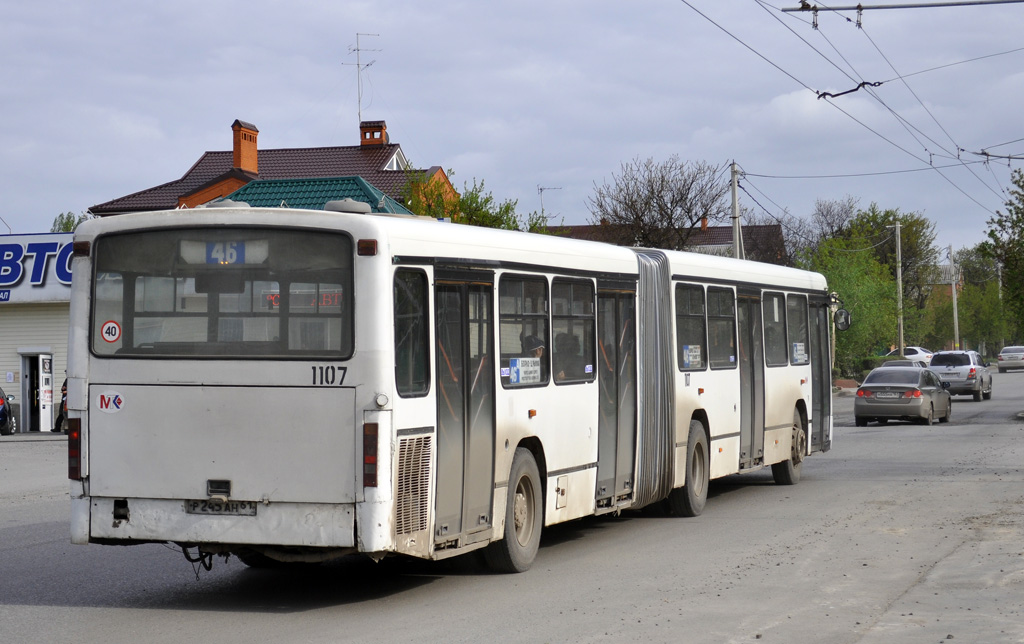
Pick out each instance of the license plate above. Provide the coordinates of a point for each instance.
(232, 508)
(887, 394)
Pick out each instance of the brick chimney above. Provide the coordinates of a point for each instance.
(373, 133)
(244, 154)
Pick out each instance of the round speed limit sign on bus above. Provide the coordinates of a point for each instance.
(111, 331)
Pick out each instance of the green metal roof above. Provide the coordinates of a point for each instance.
(312, 194)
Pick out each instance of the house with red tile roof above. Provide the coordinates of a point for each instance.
(217, 174)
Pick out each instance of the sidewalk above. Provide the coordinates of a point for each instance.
(33, 436)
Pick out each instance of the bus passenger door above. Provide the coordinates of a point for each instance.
(616, 378)
(821, 377)
(465, 407)
(751, 364)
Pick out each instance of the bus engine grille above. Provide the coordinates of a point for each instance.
(413, 492)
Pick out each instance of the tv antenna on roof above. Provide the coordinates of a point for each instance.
(359, 69)
(540, 191)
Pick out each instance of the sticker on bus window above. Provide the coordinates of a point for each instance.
(799, 352)
(524, 371)
(691, 356)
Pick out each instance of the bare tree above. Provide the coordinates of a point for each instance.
(658, 205)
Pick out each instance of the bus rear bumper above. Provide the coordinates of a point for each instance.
(160, 520)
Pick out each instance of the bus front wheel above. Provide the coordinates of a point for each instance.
(689, 500)
(788, 471)
(523, 518)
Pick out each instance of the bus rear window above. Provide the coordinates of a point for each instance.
(227, 292)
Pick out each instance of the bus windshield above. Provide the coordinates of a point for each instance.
(223, 292)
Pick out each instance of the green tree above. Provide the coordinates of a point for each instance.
(868, 292)
(982, 317)
(918, 254)
(479, 208)
(429, 197)
(66, 222)
(918, 258)
(1006, 245)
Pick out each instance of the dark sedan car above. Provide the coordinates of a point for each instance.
(7, 422)
(906, 393)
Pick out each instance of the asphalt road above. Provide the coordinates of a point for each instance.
(901, 533)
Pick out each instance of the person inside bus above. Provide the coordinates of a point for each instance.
(534, 347)
(568, 365)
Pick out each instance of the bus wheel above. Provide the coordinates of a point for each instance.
(689, 500)
(788, 472)
(523, 518)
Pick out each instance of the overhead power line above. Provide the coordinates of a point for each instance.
(857, 174)
(806, 6)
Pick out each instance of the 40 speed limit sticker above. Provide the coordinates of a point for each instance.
(111, 331)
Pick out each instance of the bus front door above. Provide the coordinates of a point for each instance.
(616, 376)
(465, 409)
(821, 377)
(751, 364)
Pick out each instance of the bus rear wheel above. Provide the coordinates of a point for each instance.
(788, 472)
(523, 518)
(689, 500)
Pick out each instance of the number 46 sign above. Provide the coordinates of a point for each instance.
(111, 331)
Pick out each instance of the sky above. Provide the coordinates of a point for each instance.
(103, 99)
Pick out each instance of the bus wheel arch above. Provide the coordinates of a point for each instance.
(524, 514)
(788, 471)
(689, 500)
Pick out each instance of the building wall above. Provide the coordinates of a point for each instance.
(33, 326)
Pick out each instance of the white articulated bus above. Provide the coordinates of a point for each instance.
(294, 385)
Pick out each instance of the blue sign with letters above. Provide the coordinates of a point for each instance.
(35, 268)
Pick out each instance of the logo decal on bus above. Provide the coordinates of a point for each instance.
(110, 402)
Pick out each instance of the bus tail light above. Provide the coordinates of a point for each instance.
(75, 449)
(369, 454)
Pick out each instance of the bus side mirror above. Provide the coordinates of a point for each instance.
(842, 319)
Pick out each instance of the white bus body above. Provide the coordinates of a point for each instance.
(296, 385)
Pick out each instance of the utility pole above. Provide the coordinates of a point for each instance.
(737, 228)
(899, 286)
(952, 287)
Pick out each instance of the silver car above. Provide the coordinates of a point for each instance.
(965, 371)
(907, 393)
(1011, 358)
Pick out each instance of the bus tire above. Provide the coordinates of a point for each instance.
(788, 471)
(524, 517)
(689, 500)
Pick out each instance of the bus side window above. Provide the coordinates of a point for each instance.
(722, 328)
(691, 339)
(412, 349)
(523, 320)
(773, 313)
(572, 323)
(799, 352)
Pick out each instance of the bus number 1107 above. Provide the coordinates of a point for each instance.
(328, 375)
